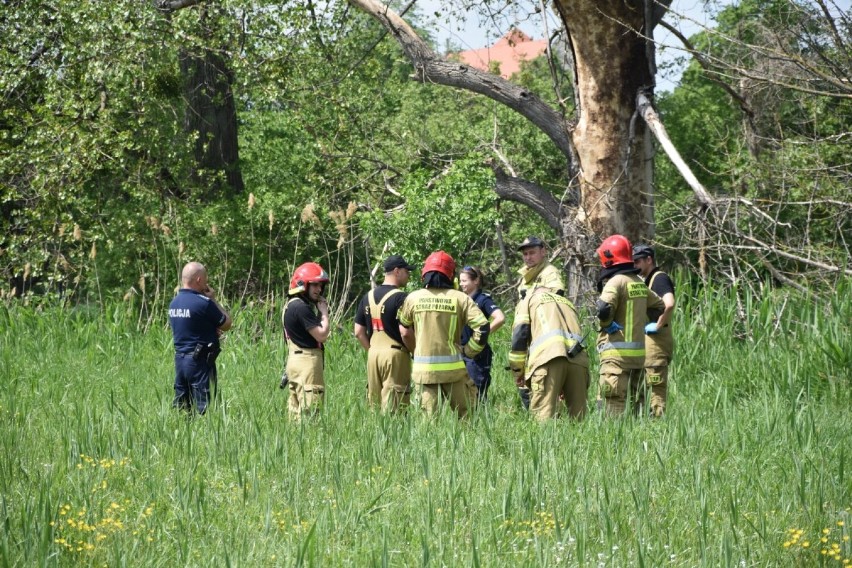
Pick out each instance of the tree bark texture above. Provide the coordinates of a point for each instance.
(212, 117)
(615, 150)
(609, 141)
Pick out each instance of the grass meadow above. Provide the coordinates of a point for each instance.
(750, 467)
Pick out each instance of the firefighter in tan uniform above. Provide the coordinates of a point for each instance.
(306, 328)
(622, 312)
(547, 353)
(431, 321)
(377, 329)
(536, 272)
(659, 342)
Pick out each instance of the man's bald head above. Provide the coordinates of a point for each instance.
(194, 275)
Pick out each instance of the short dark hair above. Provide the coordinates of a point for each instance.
(643, 251)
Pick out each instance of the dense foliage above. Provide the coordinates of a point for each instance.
(101, 194)
(107, 187)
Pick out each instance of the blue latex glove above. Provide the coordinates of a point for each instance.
(651, 328)
(613, 327)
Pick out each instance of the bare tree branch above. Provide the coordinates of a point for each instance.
(429, 67)
(175, 5)
(702, 61)
(646, 110)
(795, 257)
(530, 194)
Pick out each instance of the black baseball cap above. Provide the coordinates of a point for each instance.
(531, 242)
(642, 251)
(396, 261)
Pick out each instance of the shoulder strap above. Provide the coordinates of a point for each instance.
(384, 298)
(376, 308)
(284, 315)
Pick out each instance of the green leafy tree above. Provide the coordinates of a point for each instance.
(450, 212)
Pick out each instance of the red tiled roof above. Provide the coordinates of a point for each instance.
(509, 51)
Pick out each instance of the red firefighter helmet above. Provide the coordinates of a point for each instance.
(441, 262)
(615, 249)
(307, 273)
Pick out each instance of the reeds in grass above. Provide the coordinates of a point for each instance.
(749, 466)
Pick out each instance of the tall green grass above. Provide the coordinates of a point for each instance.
(749, 467)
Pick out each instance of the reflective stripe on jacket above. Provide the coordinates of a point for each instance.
(546, 327)
(630, 300)
(438, 316)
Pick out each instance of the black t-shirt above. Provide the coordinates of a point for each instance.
(299, 317)
(662, 284)
(194, 319)
(390, 320)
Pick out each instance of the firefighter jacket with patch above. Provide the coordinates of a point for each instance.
(546, 327)
(438, 316)
(659, 347)
(543, 274)
(629, 300)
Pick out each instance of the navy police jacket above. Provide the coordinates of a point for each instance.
(194, 319)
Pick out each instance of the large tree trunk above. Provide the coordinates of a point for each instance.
(615, 150)
(608, 148)
(212, 117)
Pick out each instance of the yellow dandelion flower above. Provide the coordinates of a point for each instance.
(823, 540)
(840, 523)
(806, 544)
(826, 531)
(787, 544)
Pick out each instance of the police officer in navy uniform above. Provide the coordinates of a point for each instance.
(197, 320)
(471, 281)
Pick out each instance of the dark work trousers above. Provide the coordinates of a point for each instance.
(192, 382)
(479, 370)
